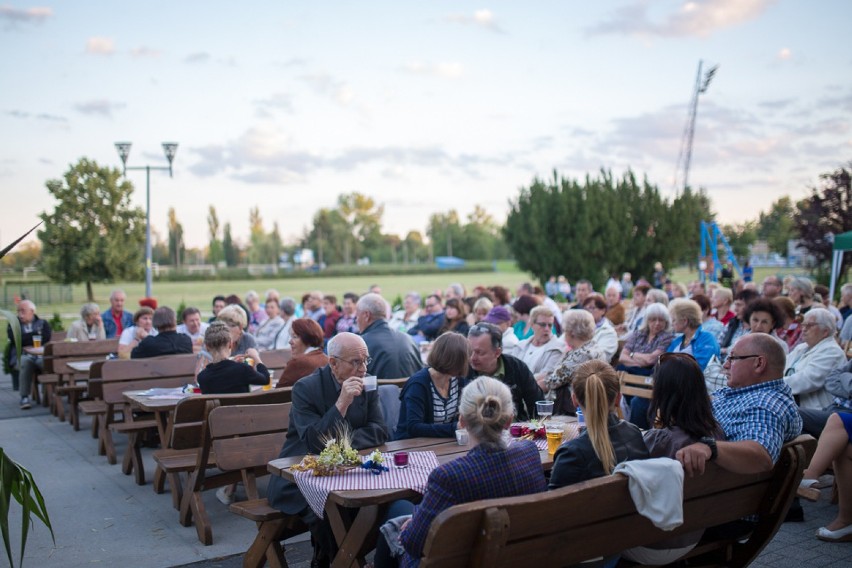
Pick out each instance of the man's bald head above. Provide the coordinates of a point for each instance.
(770, 349)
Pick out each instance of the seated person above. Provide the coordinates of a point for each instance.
(615, 312)
(90, 326)
(167, 341)
(430, 398)
(143, 326)
(193, 327)
(738, 325)
(709, 323)
(430, 321)
(256, 315)
(306, 341)
(838, 384)
(455, 317)
(491, 469)
(268, 330)
(607, 441)
(523, 306)
(812, 360)
(542, 351)
(22, 374)
(605, 336)
(235, 317)
(225, 375)
(691, 338)
(643, 348)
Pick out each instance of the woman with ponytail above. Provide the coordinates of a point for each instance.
(607, 440)
(491, 469)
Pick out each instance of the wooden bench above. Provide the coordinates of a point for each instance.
(636, 385)
(275, 360)
(597, 519)
(179, 454)
(243, 439)
(57, 373)
(398, 382)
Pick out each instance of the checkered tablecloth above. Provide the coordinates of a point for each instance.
(415, 476)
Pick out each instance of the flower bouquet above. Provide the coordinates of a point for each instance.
(534, 430)
(338, 456)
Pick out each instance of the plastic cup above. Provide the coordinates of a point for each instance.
(544, 408)
(462, 437)
(554, 439)
(268, 386)
(400, 460)
(36, 340)
(371, 383)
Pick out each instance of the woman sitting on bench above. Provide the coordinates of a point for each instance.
(229, 376)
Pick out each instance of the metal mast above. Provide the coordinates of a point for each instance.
(684, 157)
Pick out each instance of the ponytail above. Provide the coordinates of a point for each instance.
(596, 388)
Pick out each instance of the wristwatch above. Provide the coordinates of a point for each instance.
(711, 443)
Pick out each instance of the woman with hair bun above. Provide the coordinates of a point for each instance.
(229, 376)
(607, 440)
(491, 469)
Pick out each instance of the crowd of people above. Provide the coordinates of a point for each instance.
(737, 372)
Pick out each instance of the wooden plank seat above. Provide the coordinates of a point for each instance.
(398, 382)
(534, 530)
(57, 356)
(243, 438)
(636, 385)
(179, 454)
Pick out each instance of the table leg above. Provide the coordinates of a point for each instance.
(356, 537)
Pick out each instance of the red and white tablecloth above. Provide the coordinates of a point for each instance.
(415, 476)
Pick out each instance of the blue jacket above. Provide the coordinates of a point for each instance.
(110, 328)
(429, 325)
(704, 346)
(416, 419)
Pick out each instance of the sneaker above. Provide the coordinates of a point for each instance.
(25, 403)
(223, 496)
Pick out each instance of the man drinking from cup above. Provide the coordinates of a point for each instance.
(32, 327)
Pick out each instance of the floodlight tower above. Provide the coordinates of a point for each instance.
(684, 157)
(170, 148)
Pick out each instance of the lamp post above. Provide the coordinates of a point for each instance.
(170, 148)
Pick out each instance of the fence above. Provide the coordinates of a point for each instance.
(38, 292)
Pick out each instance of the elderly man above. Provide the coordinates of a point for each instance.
(329, 396)
(582, 291)
(771, 287)
(167, 341)
(756, 411)
(487, 358)
(429, 323)
(116, 319)
(406, 318)
(813, 359)
(394, 354)
(313, 306)
(542, 351)
(193, 327)
(22, 374)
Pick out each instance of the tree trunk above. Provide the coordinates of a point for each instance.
(89, 293)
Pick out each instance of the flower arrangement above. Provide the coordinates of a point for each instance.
(535, 430)
(374, 463)
(337, 456)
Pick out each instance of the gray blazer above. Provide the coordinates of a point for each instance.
(314, 415)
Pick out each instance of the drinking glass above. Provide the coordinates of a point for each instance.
(36, 340)
(554, 439)
(544, 408)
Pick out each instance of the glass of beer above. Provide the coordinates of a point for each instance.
(36, 340)
(554, 439)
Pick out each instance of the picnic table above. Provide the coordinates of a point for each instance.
(159, 402)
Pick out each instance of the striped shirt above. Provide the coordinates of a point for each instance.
(446, 410)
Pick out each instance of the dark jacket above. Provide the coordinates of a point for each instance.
(429, 325)
(576, 461)
(230, 377)
(164, 343)
(39, 327)
(416, 418)
(314, 415)
(520, 380)
(394, 354)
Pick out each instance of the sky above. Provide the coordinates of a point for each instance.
(424, 106)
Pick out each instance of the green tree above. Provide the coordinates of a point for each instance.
(215, 254)
(28, 254)
(414, 250)
(364, 217)
(177, 250)
(778, 225)
(229, 248)
(93, 234)
(330, 238)
(828, 211)
(740, 237)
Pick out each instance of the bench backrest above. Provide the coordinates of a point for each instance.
(636, 385)
(248, 437)
(597, 518)
(57, 355)
(275, 360)
(167, 366)
(188, 419)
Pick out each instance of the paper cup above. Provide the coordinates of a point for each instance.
(371, 383)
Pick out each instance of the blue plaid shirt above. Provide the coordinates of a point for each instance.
(765, 413)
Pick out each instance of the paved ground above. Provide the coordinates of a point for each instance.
(101, 517)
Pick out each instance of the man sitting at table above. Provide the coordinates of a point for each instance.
(193, 327)
(487, 358)
(117, 319)
(393, 353)
(31, 325)
(328, 396)
(167, 341)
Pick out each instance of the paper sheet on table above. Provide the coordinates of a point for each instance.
(161, 393)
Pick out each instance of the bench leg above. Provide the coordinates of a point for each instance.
(95, 422)
(109, 446)
(267, 545)
(59, 406)
(202, 521)
(185, 511)
(159, 480)
(74, 416)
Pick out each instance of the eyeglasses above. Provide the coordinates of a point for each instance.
(741, 357)
(543, 324)
(808, 325)
(357, 362)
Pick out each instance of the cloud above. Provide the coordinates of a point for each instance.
(277, 101)
(778, 104)
(39, 116)
(326, 85)
(25, 16)
(100, 46)
(699, 18)
(481, 18)
(785, 54)
(144, 51)
(451, 70)
(99, 107)
(197, 57)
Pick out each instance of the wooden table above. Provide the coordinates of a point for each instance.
(161, 408)
(357, 536)
(81, 366)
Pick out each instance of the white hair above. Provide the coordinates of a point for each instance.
(27, 303)
(374, 305)
(823, 318)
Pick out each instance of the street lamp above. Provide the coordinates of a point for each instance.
(170, 148)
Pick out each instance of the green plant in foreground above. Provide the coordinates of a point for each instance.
(17, 482)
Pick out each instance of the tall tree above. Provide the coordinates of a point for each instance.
(778, 225)
(364, 217)
(177, 250)
(229, 248)
(215, 254)
(93, 233)
(828, 211)
(740, 237)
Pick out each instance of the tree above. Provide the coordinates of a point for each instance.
(215, 254)
(364, 218)
(177, 250)
(93, 234)
(778, 225)
(229, 248)
(828, 211)
(445, 232)
(740, 237)
(28, 254)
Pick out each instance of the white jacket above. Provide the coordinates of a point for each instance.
(807, 368)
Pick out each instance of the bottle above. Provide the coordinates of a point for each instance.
(581, 421)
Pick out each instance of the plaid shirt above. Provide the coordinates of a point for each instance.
(765, 413)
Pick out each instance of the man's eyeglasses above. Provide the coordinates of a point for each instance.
(357, 362)
(741, 357)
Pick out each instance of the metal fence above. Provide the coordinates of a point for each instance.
(37, 292)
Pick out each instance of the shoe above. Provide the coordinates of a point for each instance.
(796, 514)
(840, 535)
(224, 497)
(807, 490)
(25, 403)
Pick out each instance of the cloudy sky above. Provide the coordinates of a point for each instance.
(425, 106)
